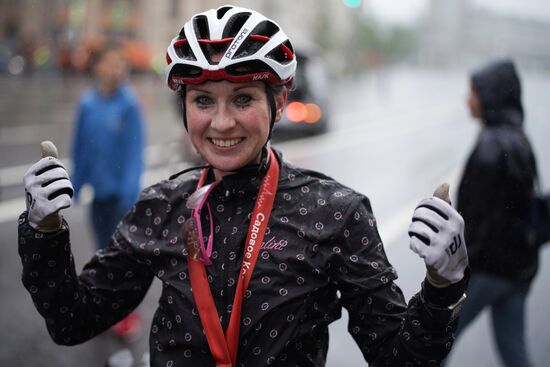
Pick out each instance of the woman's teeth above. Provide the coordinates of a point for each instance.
(225, 143)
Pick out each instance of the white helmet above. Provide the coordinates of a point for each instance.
(251, 46)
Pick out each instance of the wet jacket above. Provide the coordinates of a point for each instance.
(321, 251)
(497, 184)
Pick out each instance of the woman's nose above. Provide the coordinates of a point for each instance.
(223, 119)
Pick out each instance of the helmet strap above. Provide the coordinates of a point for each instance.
(182, 93)
(272, 107)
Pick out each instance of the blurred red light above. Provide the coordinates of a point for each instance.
(313, 113)
(296, 111)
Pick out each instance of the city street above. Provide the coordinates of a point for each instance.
(395, 135)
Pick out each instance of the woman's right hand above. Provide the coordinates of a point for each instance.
(48, 189)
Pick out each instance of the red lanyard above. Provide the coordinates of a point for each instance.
(224, 347)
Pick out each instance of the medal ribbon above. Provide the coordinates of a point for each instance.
(224, 346)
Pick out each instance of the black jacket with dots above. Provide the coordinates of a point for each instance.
(321, 252)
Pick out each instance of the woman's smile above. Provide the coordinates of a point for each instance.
(225, 142)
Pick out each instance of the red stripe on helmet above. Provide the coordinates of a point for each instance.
(223, 75)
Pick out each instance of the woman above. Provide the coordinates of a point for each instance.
(250, 249)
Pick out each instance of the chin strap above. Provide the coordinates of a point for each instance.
(175, 175)
(272, 108)
(182, 93)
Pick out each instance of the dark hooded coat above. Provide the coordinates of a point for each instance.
(497, 185)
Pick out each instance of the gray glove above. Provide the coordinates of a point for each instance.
(437, 236)
(47, 190)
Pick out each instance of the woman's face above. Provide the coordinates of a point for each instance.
(229, 123)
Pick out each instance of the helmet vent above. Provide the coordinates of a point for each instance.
(221, 11)
(278, 54)
(234, 24)
(266, 29)
(211, 49)
(182, 35)
(248, 47)
(186, 71)
(183, 50)
(200, 26)
(289, 46)
(258, 37)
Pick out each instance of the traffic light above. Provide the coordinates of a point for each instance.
(352, 3)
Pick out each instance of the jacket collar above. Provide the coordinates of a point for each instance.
(245, 180)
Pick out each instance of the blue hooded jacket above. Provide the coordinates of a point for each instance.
(108, 145)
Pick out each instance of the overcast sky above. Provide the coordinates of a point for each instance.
(406, 11)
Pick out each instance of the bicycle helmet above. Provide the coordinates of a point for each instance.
(251, 46)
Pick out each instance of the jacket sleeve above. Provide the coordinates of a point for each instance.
(387, 330)
(78, 307)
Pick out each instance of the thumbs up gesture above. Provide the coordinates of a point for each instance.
(47, 190)
(437, 235)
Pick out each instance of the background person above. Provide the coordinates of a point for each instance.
(251, 250)
(107, 151)
(494, 198)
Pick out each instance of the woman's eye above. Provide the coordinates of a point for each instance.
(243, 99)
(203, 101)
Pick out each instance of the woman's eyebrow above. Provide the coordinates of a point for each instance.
(198, 89)
(241, 87)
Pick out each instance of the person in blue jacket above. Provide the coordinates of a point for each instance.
(108, 154)
(108, 144)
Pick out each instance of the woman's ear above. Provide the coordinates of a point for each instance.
(280, 103)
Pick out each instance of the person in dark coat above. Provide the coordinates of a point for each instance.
(494, 199)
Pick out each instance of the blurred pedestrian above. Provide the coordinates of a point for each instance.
(108, 150)
(257, 256)
(108, 144)
(494, 198)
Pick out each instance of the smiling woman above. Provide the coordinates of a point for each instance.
(256, 256)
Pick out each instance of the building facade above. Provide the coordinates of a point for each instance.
(456, 32)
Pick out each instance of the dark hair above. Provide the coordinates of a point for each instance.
(106, 47)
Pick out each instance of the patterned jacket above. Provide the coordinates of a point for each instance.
(321, 252)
